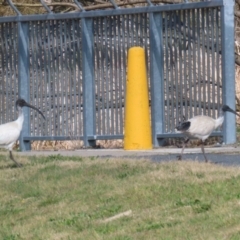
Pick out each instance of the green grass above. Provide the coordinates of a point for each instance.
(58, 197)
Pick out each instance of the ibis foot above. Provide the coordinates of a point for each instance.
(179, 157)
(12, 158)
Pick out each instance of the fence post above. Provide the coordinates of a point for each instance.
(228, 69)
(89, 128)
(156, 77)
(23, 80)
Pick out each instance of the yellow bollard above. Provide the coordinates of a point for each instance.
(137, 115)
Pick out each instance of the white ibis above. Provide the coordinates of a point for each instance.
(201, 127)
(10, 132)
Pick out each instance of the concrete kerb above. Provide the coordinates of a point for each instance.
(131, 153)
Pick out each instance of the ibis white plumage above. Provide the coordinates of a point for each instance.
(201, 127)
(10, 132)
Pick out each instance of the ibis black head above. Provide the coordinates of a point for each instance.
(226, 108)
(22, 103)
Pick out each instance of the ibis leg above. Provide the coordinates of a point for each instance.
(184, 144)
(202, 147)
(12, 158)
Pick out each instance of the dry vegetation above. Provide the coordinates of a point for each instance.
(73, 145)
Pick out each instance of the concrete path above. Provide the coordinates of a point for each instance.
(226, 155)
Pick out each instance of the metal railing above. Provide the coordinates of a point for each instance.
(73, 67)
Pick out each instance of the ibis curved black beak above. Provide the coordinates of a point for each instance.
(232, 111)
(30, 106)
(226, 108)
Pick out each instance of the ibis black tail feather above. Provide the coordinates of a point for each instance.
(183, 126)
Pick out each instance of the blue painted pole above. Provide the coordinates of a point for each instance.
(88, 82)
(23, 80)
(228, 69)
(156, 77)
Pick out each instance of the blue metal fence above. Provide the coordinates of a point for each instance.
(73, 67)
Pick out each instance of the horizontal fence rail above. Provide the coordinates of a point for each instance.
(76, 68)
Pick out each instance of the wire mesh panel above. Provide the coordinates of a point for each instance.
(114, 35)
(192, 57)
(8, 71)
(188, 48)
(55, 77)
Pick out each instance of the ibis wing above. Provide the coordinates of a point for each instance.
(201, 127)
(9, 134)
